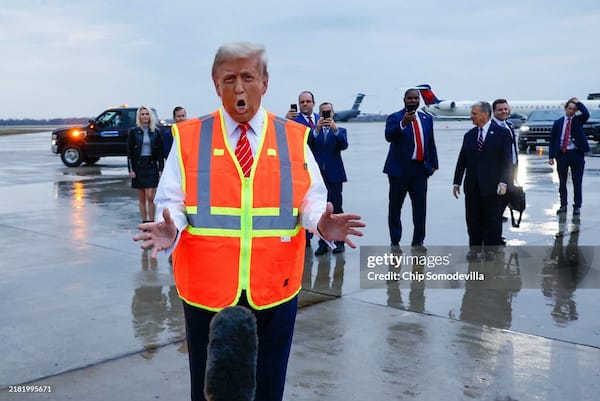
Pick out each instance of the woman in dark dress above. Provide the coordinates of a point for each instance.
(145, 160)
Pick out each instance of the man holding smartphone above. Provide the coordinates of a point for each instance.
(306, 117)
(327, 142)
(411, 160)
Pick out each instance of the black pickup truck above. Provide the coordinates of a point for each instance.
(105, 135)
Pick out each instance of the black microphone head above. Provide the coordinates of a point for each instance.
(231, 356)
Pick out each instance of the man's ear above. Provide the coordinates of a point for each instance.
(217, 87)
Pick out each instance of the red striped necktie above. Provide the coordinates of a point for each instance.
(480, 140)
(567, 136)
(243, 151)
(418, 142)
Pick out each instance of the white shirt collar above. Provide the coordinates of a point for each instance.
(500, 122)
(256, 123)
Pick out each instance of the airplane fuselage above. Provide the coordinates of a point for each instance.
(462, 109)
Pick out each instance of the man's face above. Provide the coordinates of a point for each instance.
(478, 117)
(306, 103)
(502, 111)
(180, 116)
(324, 107)
(412, 98)
(571, 109)
(241, 85)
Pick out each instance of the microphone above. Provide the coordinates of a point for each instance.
(231, 356)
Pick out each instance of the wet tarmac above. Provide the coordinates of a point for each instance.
(87, 312)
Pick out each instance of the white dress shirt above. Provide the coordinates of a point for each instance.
(513, 138)
(169, 193)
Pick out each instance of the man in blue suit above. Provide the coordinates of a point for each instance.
(568, 144)
(307, 117)
(411, 160)
(485, 161)
(327, 142)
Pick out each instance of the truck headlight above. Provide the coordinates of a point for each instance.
(524, 129)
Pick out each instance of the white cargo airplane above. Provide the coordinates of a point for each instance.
(461, 109)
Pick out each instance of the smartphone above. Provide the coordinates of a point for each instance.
(326, 113)
(294, 107)
(411, 107)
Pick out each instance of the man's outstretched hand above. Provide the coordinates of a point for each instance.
(157, 236)
(337, 227)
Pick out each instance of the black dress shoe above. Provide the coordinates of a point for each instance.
(576, 211)
(321, 250)
(562, 209)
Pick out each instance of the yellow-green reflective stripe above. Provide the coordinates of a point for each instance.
(177, 139)
(274, 304)
(213, 232)
(275, 233)
(234, 211)
(228, 211)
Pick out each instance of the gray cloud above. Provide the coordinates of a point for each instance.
(68, 58)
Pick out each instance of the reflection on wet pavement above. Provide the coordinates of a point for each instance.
(68, 251)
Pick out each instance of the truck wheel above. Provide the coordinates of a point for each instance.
(91, 160)
(523, 146)
(71, 156)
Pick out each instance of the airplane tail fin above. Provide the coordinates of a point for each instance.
(428, 96)
(358, 101)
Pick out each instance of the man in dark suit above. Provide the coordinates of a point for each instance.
(327, 142)
(568, 145)
(411, 159)
(485, 162)
(501, 110)
(307, 117)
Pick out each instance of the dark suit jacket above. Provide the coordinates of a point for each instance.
(577, 133)
(402, 144)
(327, 153)
(485, 169)
(135, 137)
(300, 119)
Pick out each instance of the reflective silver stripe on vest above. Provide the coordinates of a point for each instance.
(286, 218)
(204, 219)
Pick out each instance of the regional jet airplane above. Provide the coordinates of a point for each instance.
(461, 109)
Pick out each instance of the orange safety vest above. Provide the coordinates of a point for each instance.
(243, 233)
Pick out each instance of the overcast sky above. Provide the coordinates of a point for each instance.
(70, 58)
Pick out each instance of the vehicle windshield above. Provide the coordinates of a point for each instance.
(544, 115)
(595, 114)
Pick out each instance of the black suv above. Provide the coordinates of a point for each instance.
(536, 131)
(105, 135)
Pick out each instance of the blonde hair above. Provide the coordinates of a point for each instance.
(152, 124)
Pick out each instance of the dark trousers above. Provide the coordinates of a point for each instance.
(484, 219)
(275, 327)
(574, 160)
(414, 182)
(334, 195)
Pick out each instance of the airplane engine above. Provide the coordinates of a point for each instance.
(447, 105)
